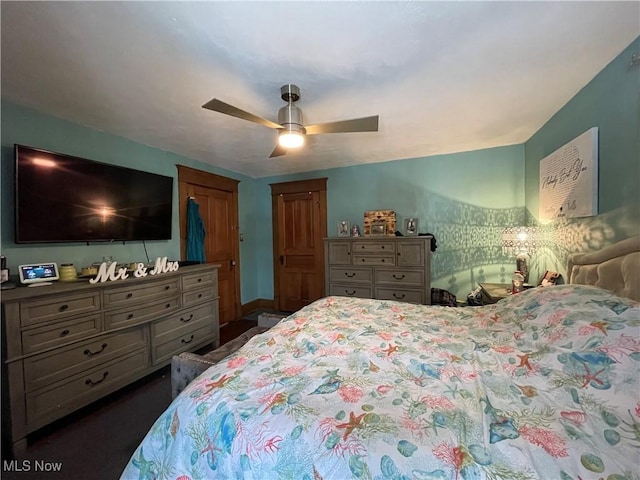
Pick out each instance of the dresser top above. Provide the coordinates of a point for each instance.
(81, 284)
(377, 238)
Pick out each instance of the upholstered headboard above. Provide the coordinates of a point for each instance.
(615, 268)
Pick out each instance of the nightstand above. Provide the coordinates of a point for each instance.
(492, 292)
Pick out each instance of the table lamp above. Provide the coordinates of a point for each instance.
(521, 242)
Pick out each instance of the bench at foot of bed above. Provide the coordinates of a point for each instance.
(187, 366)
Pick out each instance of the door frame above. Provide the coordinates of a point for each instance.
(188, 175)
(300, 186)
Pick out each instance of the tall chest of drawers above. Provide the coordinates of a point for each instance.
(69, 344)
(386, 268)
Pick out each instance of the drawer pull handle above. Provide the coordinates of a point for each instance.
(399, 297)
(129, 295)
(350, 293)
(363, 259)
(167, 287)
(382, 247)
(168, 305)
(199, 295)
(91, 383)
(187, 341)
(199, 280)
(349, 275)
(382, 260)
(398, 277)
(186, 320)
(130, 316)
(64, 332)
(63, 307)
(89, 353)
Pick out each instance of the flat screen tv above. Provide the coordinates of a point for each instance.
(61, 198)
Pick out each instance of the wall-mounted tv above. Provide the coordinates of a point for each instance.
(62, 198)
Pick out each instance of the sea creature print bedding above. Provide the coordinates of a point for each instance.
(541, 385)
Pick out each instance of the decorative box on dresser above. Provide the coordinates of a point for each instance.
(386, 268)
(71, 343)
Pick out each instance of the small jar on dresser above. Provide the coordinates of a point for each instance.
(385, 268)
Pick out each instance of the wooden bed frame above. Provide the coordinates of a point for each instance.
(615, 268)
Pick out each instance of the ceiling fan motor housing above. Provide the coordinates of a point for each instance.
(290, 117)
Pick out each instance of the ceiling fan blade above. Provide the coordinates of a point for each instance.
(219, 106)
(278, 151)
(365, 124)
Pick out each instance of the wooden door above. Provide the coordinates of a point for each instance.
(299, 226)
(218, 200)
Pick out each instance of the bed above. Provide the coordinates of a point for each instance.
(541, 385)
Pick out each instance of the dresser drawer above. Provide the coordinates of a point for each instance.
(400, 295)
(46, 368)
(374, 260)
(120, 297)
(164, 351)
(350, 275)
(377, 246)
(359, 291)
(64, 397)
(59, 307)
(198, 296)
(201, 280)
(59, 333)
(139, 313)
(400, 277)
(182, 323)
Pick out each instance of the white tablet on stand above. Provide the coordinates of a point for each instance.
(38, 274)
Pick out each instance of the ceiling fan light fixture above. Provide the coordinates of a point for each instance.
(291, 127)
(291, 139)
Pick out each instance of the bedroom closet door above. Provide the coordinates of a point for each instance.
(299, 211)
(217, 197)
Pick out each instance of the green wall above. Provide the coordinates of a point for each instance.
(611, 102)
(27, 127)
(464, 199)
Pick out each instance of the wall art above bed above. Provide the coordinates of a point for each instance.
(569, 179)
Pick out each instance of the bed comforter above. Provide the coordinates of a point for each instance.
(541, 385)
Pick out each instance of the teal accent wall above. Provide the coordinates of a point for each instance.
(27, 127)
(464, 199)
(611, 102)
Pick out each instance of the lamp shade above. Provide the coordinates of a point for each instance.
(517, 240)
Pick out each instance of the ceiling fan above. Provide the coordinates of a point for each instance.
(292, 131)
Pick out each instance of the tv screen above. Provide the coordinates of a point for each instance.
(61, 198)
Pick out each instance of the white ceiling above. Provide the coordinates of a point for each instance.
(443, 76)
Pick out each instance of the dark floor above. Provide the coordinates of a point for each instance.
(231, 330)
(97, 441)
